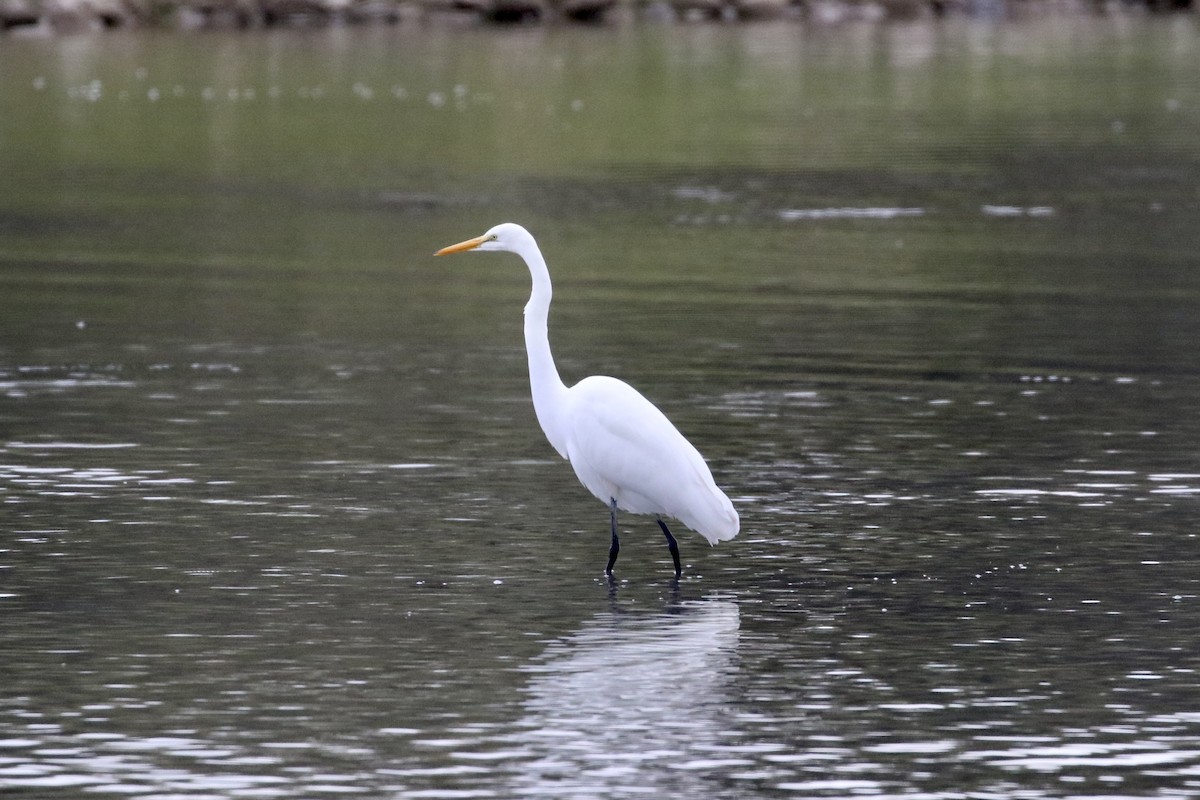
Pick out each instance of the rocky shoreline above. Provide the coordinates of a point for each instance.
(49, 17)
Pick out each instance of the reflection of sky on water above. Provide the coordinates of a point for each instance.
(630, 704)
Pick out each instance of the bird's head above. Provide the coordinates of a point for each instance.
(507, 236)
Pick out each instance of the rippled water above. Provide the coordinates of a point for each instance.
(278, 520)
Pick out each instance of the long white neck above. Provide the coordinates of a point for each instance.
(549, 392)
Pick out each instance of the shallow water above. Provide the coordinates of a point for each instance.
(278, 520)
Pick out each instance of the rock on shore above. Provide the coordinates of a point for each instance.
(76, 16)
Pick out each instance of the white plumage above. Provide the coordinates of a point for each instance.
(623, 449)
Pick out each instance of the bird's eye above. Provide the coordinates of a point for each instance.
(495, 237)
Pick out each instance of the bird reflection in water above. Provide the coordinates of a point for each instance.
(630, 703)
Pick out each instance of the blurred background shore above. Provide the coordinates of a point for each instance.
(53, 17)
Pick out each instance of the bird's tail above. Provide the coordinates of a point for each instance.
(721, 522)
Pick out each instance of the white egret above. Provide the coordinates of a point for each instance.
(623, 449)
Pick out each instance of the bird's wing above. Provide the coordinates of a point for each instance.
(621, 439)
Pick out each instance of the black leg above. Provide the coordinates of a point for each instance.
(672, 545)
(616, 543)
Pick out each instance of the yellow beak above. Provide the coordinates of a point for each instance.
(462, 247)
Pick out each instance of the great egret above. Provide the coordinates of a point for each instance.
(624, 450)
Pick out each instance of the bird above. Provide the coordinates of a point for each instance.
(623, 449)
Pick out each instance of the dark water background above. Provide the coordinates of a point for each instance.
(278, 520)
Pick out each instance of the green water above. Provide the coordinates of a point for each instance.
(311, 156)
(278, 519)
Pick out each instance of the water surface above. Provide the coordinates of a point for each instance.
(279, 521)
